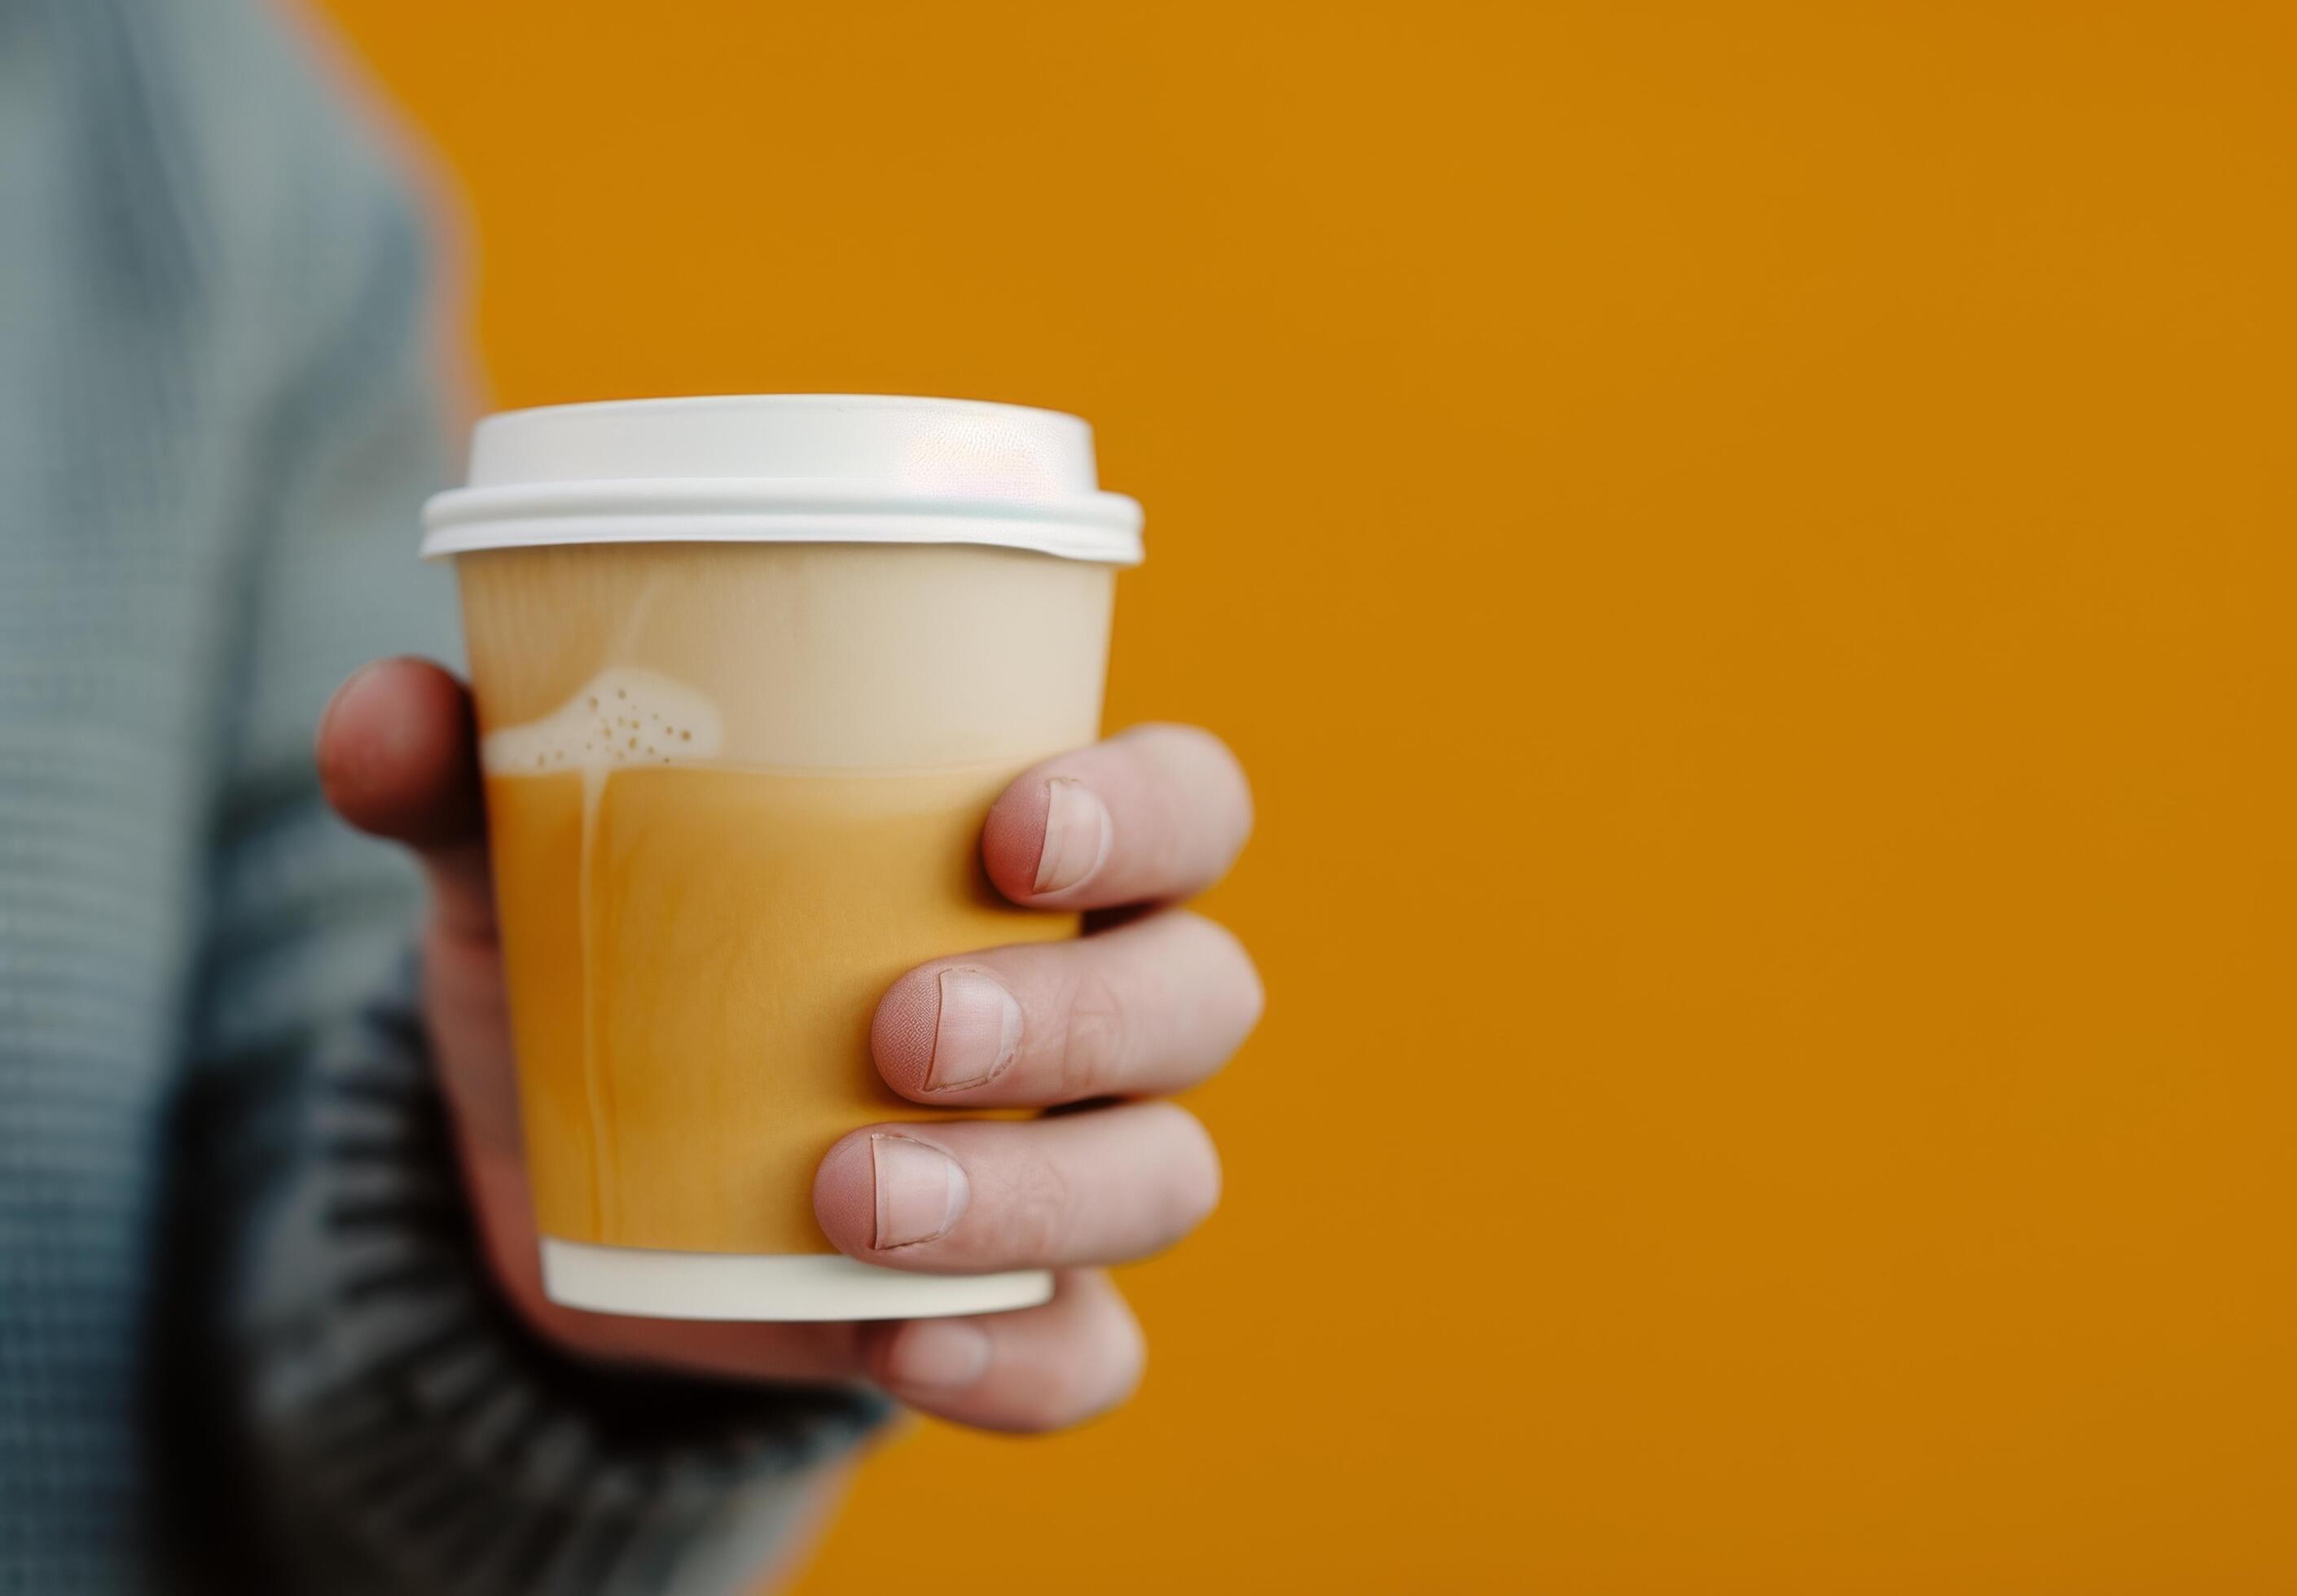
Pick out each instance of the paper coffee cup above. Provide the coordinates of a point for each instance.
(749, 672)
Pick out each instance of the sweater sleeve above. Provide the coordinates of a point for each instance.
(385, 1424)
(404, 1432)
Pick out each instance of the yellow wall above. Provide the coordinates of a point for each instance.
(1747, 548)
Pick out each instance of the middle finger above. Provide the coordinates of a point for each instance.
(1143, 1010)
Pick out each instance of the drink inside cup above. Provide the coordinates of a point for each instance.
(741, 721)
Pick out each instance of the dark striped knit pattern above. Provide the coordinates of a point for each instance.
(244, 1343)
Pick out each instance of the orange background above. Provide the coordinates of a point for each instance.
(1747, 548)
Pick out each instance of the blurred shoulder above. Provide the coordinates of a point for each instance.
(228, 156)
(298, 165)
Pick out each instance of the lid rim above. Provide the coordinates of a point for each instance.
(1107, 546)
(865, 468)
(668, 403)
(762, 496)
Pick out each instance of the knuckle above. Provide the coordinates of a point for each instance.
(1094, 1037)
(1035, 1224)
(1245, 989)
(1254, 995)
(1199, 741)
(1061, 1398)
(1232, 770)
(1131, 1363)
(1196, 756)
(1192, 1183)
(1095, 1375)
(1221, 767)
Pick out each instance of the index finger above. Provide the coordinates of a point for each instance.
(1154, 813)
(398, 756)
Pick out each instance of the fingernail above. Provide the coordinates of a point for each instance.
(920, 1190)
(978, 1031)
(939, 1352)
(1076, 835)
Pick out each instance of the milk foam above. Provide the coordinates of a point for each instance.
(622, 717)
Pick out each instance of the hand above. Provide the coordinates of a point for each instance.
(1152, 1005)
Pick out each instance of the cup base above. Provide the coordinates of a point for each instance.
(778, 1287)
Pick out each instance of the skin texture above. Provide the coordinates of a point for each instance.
(1155, 1003)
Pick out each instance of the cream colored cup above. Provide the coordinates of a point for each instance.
(749, 672)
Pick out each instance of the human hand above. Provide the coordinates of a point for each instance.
(1153, 1002)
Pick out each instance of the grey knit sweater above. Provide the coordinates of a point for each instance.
(244, 1342)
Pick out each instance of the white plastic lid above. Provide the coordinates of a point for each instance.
(786, 468)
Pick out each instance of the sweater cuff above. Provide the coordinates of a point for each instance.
(412, 1434)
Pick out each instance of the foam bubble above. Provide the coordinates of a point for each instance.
(621, 718)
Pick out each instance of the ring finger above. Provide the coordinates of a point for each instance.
(981, 1195)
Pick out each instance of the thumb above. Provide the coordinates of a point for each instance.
(397, 757)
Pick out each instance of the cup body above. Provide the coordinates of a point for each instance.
(735, 788)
